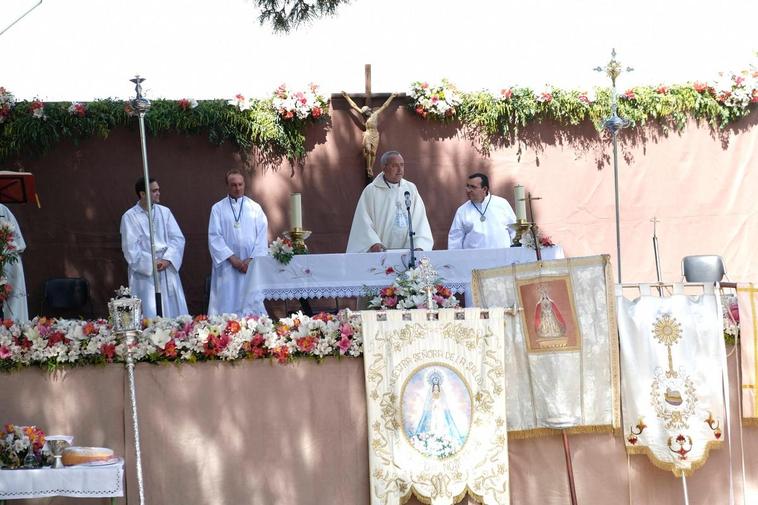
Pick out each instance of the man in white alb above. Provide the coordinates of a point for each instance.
(381, 216)
(237, 232)
(15, 306)
(482, 222)
(169, 251)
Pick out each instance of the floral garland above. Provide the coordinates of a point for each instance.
(34, 127)
(277, 125)
(54, 342)
(434, 102)
(408, 291)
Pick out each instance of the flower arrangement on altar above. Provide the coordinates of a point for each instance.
(302, 105)
(55, 342)
(439, 102)
(21, 446)
(283, 250)
(8, 255)
(527, 239)
(408, 291)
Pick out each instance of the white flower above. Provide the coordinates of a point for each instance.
(160, 337)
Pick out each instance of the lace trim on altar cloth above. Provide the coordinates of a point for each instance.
(337, 292)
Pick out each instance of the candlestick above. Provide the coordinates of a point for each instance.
(520, 202)
(296, 211)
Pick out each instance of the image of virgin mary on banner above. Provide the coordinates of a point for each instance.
(435, 387)
(561, 350)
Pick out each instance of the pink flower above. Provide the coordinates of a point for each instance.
(723, 96)
(700, 87)
(754, 98)
(545, 97)
(344, 344)
(584, 98)
(346, 330)
(629, 94)
(738, 80)
(5, 352)
(184, 104)
(662, 90)
(239, 97)
(316, 112)
(424, 85)
(390, 301)
(506, 93)
(108, 351)
(389, 271)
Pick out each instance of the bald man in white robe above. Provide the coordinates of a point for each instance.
(381, 216)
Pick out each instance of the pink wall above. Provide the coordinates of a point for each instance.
(698, 183)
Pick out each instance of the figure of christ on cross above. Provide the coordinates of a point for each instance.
(370, 119)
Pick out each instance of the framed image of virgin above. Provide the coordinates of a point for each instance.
(548, 316)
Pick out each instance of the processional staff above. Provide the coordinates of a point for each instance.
(142, 105)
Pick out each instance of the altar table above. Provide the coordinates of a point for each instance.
(346, 275)
(103, 481)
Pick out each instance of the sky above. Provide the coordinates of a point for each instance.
(67, 50)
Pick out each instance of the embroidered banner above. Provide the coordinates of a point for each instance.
(436, 406)
(561, 350)
(672, 350)
(747, 300)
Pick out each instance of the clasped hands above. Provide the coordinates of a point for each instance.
(162, 265)
(238, 264)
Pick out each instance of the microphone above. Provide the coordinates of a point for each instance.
(408, 200)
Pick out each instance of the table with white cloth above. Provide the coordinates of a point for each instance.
(82, 481)
(348, 275)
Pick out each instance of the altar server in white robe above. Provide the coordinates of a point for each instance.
(237, 232)
(15, 306)
(482, 222)
(169, 251)
(381, 216)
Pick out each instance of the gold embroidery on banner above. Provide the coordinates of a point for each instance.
(672, 406)
(668, 331)
(462, 335)
(714, 424)
(636, 431)
(407, 335)
(388, 407)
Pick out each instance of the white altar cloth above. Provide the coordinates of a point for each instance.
(75, 481)
(345, 275)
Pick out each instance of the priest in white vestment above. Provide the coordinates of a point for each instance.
(381, 217)
(237, 233)
(15, 306)
(482, 222)
(169, 251)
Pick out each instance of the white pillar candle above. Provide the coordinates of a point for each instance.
(296, 211)
(520, 202)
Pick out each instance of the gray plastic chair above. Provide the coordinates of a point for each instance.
(703, 268)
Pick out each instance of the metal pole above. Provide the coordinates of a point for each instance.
(613, 124)
(618, 210)
(142, 105)
(569, 467)
(135, 422)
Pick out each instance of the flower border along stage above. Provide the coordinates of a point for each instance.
(53, 343)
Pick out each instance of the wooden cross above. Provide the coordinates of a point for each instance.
(367, 79)
(529, 198)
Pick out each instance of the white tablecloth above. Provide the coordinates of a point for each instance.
(75, 481)
(344, 275)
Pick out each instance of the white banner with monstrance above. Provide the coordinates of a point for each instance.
(435, 391)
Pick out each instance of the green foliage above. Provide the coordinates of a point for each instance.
(286, 15)
(23, 134)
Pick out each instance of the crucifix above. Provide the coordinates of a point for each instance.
(370, 121)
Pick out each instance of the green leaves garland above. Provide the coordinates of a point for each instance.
(22, 133)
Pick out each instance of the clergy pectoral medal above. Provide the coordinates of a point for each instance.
(237, 224)
(482, 219)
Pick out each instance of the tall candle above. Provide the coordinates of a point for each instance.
(296, 211)
(520, 201)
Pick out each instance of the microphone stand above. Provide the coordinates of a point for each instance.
(411, 233)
